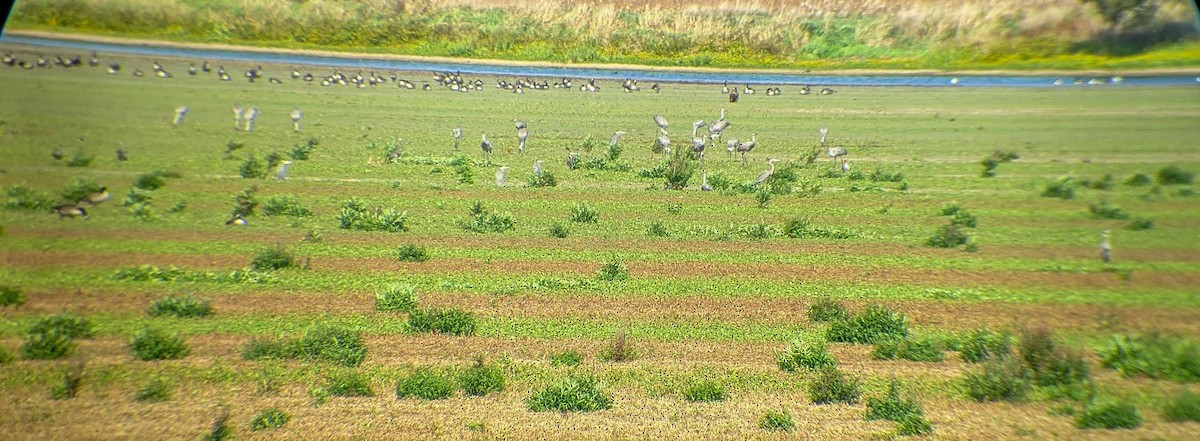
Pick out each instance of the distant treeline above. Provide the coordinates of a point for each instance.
(783, 33)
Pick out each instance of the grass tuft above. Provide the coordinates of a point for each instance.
(425, 383)
(184, 306)
(153, 344)
(576, 393)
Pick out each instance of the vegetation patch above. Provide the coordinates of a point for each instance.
(396, 297)
(442, 320)
(705, 391)
(324, 343)
(154, 391)
(983, 344)
(1183, 406)
(1173, 175)
(269, 419)
(827, 310)
(874, 324)
(285, 205)
(23, 197)
(576, 393)
(349, 383)
(357, 216)
(812, 355)
(567, 358)
(1154, 355)
(908, 416)
(1063, 188)
(180, 306)
(777, 421)
(273, 258)
(997, 379)
(1109, 416)
(481, 379)
(484, 221)
(411, 253)
(153, 344)
(72, 380)
(923, 349)
(584, 213)
(618, 350)
(832, 386)
(612, 270)
(151, 273)
(11, 296)
(425, 383)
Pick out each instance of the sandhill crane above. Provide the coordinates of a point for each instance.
(237, 117)
(746, 147)
(845, 165)
(537, 168)
(296, 119)
(572, 160)
(661, 122)
(522, 135)
(250, 116)
(180, 112)
(236, 220)
(664, 143)
(99, 196)
(457, 133)
(500, 176)
(122, 155)
(704, 181)
(762, 177)
(616, 137)
(520, 124)
(57, 154)
(730, 146)
(733, 96)
(70, 210)
(698, 143)
(715, 130)
(836, 152)
(722, 118)
(1105, 247)
(486, 146)
(281, 174)
(823, 131)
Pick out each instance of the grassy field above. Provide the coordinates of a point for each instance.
(717, 288)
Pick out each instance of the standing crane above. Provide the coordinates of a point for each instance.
(457, 133)
(747, 146)
(237, 117)
(500, 173)
(251, 115)
(661, 122)
(766, 174)
(180, 112)
(698, 143)
(823, 131)
(522, 135)
(296, 119)
(486, 146)
(704, 181)
(616, 136)
(1105, 247)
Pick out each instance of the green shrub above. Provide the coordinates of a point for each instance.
(758, 231)
(777, 421)
(348, 383)
(273, 258)
(1049, 364)
(443, 320)
(482, 379)
(6, 357)
(546, 179)
(484, 221)
(1140, 224)
(220, 428)
(258, 349)
(576, 393)
(285, 205)
(763, 197)
(11, 296)
(1109, 416)
(462, 169)
(78, 189)
(332, 344)
(924, 350)
(1183, 406)
(425, 383)
(22, 197)
(989, 167)
(252, 168)
(805, 355)
(568, 358)
(705, 391)
(269, 418)
(873, 325)
(1154, 355)
(301, 152)
(396, 297)
(913, 424)
(245, 202)
(559, 230)
(137, 197)
(612, 270)
(1104, 210)
(64, 323)
(893, 407)
(411, 253)
(832, 386)
(881, 176)
(678, 170)
(949, 236)
(156, 390)
(1138, 180)
(657, 229)
(1063, 188)
(152, 344)
(80, 159)
(142, 211)
(72, 380)
(584, 213)
(185, 306)
(1102, 184)
(357, 217)
(48, 344)
(154, 180)
(997, 379)
(983, 344)
(1173, 175)
(827, 310)
(618, 350)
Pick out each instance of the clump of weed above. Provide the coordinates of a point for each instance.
(245, 202)
(179, 207)
(1173, 175)
(678, 171)
(273, 258)
(1183, 406)
(705, 391)
(757, 231)
(326, 343)
(6, 357)
(11, 296)
(576, 393)
(833, 386)
(1139, 180)
(349, 383)
(23, 197)
(827, 310)
(1049, 364)
(924, 350)
(983, 344)
(356, 216)
(154, 391)
(908, 416)
(182, 306)
(425, 383)
(1109, 416)
(949, 236)
(484, 221)
(958, 215)
(1103, 184)
(674, 208)
(1140, 224)
(802, 354)
(997, 379)
(568, 358)
(64, 323)
(558, 230)
(269, 418)
(584, 213)
(1105, 210)
(443, 320)
(1063, 188)
(998, 157)
(150, 181)
(50, 344)
(396, 297)
(482, 379)
(657, 229)
(1154, 355)
(545, 179)
(618, 350)
(232, 146)
(801, 227)
(411, 253)
(78, 189)
(285, 205)
(72, 380)
(874, 324)
(462, 169)
(777, 421)
(313, 235)
(219, 430)
(763, 197)
(80, 159)
(301, 151)
(152, 344)
(612, 270)
(252, 168)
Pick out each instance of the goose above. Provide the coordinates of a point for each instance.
(70, 210)
(237, 219)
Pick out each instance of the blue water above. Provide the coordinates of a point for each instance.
(737, 78)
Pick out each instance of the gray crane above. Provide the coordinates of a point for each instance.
(661, 122)
(1105, 247)
(251, 115)
(730, 146)
(823, 131)
(282, 172)
(500, 173)
(698, 143)
(180, 112)
(664, 143)
(520, 124)
(766, 174)
(836, 152)
(296, 119)
(572, 160)
(238, 112)
(522, 135)
(616, 137)
(457, 132)
(537, 168)
(845, 165)
(715, 130)
(747, 146)
(486, 146)
(704, 181)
